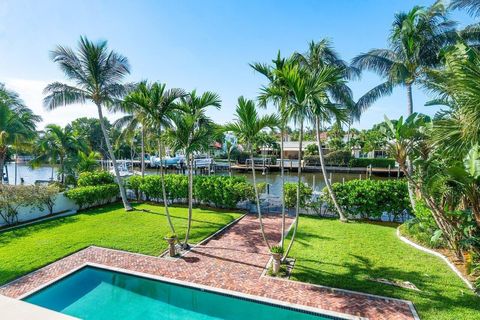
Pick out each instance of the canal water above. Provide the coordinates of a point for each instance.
(314, 180)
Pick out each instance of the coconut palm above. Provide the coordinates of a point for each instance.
(247, 127)
(415, 41)
(229, 148)
(153, 105)
(96, 75)
(17, 124)
(192, 133)
(472, 6)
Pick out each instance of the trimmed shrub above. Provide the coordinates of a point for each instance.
(224, 192)
(371, 198)
(291, 194)
(375, 162)
(219, 191)
(95, 178)
(334, 158)
(133, 183)
(92, 195)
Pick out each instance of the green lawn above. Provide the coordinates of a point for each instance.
(346, 255)
(28, 248)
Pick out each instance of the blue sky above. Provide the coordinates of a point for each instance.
(203, 45)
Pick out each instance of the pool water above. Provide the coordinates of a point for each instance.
(94, 293)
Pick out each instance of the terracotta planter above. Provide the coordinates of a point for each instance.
(171, 246)
(276, 262)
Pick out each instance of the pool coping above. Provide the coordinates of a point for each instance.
(225, 292)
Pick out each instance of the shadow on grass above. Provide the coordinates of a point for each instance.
(356, 275)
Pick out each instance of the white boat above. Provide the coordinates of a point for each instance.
(124, 168)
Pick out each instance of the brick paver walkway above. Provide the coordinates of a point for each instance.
(234, 260)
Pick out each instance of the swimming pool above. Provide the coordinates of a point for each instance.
(96, 293)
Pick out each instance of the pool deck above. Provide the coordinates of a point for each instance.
(234, 260)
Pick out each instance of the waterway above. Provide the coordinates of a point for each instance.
(314, 180)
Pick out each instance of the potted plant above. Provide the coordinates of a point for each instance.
(171, 239)
(276, 252)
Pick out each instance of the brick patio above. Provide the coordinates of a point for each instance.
(234, 260)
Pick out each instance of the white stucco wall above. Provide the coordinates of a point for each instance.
(62, 204)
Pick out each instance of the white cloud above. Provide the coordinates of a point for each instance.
(31, 92)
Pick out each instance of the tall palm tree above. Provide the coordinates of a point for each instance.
(154, 105)
(96, 74)
(247, 126)
(192, 133)
(416, 39)
(137, 118)
(17, 124)
(58, 144)
(307, 90)
(276, 92)
(336, 100)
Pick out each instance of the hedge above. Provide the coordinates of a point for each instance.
(371, 198)
(92, 195)
(291, 194)
(95, 178)
(375, 162)
(219, 191)
(343, 158)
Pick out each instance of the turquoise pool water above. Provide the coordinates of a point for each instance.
(94, 293)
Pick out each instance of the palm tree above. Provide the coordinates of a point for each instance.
(154, 105)
(336, 100)
(57, 144)
(136, 119)
(307, 92)
(97, 74)
(247, 126)
(277, 93)
(192, 133)
(17, 124)
(472, 6)
(229, 148)
(87, 162)
(415, 41)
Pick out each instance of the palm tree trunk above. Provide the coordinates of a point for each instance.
(3, 155)
(62, 177)
(164, 191)
(190, 199)
(257, 200)
(324, 171)
(123, 194)
(142, 161)
(282, 174)
(409, 99)
(299, 178)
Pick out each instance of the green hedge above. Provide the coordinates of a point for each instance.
(92, 195)
(344, 159)
(219, 191)
(370, 198)
(375, 162)
(291, 194)
(95, 178)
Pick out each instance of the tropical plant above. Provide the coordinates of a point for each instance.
(12, 198)
(58, 144)
(97, 74)
(277, 93)
(415, 41)
(247, 126)
(192, 133)
(156, 105)
(87, 162)
(17, 124)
